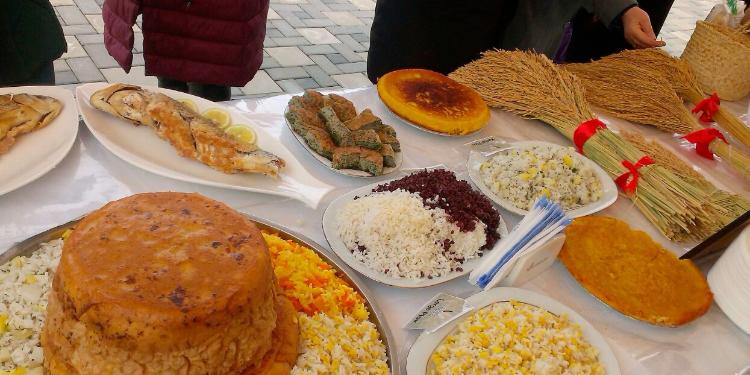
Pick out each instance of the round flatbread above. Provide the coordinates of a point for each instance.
(433, 101)
(632, 273)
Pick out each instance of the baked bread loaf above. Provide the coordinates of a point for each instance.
(166, 283)
(433, 101)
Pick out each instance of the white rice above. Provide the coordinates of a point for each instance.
(339, 345)
(403, 238)
(523, 175)
(24, 285)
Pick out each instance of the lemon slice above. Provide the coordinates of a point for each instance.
(242, 133)
(221, 117)
(190, 104)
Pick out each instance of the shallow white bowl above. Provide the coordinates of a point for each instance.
(419, 355)
(730, 283)
(477, 157)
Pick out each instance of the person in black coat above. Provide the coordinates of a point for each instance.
(592, 40)
(31, 38)
(439, 35)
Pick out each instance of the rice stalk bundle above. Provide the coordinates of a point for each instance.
(727, 206)
(640, 95)
(530, 85)
(682, 80)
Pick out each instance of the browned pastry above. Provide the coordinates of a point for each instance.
(433, 101)
(166, 283)
(192, 135)
(281, 358)
(23, 113)
(634, 275)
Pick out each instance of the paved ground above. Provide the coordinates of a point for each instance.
(309, 44)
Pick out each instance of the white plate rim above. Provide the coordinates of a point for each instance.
(155, 168)
(329, 165)
(609, 189)
(330, 232)
(65, 117)
(426, 343)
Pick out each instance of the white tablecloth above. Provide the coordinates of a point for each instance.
(91, 176)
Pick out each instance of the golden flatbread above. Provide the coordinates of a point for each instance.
(433, 101)
(631, 273)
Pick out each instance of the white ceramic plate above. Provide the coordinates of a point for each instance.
(36, 153)
(141, 147)
(729, 281)
(327, 163)
(330, 229)
(419, 355)
(477, 157)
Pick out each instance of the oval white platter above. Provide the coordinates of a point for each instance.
(38, 152)
(477, 157)
(142, 147)
(327, 163)
(418, 360)
(330, 230)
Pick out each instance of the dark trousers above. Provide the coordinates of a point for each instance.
(213, 93)
(44, 76)
(592, 40)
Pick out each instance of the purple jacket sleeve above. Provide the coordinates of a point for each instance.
(119, 17)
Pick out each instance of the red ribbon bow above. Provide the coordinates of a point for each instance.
(708, 106)
(624, 181)
(586, 130)
(702, 138)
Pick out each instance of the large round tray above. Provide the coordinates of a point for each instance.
(31, 244)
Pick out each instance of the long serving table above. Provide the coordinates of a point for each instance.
(91, 176)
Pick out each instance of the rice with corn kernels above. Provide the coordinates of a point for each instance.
(24, 286)
(515, 338)
(523, 175)
(339, 345)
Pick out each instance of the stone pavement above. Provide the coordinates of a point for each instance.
(309, 44)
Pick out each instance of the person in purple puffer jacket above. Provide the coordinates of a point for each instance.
(198, 46)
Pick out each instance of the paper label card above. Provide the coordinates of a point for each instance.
(438, 311)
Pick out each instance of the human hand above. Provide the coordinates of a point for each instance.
(638, 31)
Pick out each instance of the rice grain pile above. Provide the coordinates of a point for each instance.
(394, 233)
(520, 176)
(310, 283)
(336, 336)
(425, 225)
(515, 338)
(24, 286)
(339, 345)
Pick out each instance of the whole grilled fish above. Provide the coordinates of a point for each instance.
(193, 135)
(23, 113)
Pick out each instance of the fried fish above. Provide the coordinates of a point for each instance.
(192, 135)
(24, 113)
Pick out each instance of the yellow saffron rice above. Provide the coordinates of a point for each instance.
(310, 283)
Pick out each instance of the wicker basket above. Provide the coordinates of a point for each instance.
(720, 58)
